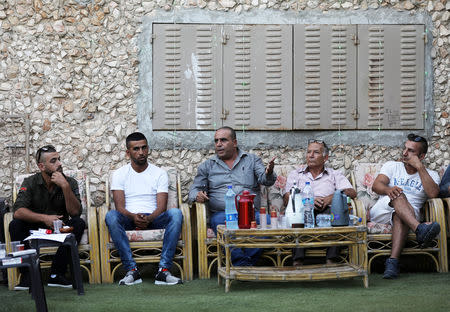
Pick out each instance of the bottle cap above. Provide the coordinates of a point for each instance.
(273, 214)
(253, 225)
(262, 210)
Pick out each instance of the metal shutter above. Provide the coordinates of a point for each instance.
(187, 75)
(391, 77)
(258, 77)
(324, 77)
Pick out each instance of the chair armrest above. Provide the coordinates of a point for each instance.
(102, 228)
(186, 230)
(91, 216)
(359, 210)
(200, 209)
(446, 202)
(8, 217)
(353, 179)
(433, 211)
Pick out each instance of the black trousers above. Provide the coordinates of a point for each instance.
(19, 230)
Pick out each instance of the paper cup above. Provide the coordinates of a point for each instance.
(57, 224)
(14, 246)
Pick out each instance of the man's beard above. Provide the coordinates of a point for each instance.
(50, 172)
(139, 162)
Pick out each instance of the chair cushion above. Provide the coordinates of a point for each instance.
(172, 200)
(365, 174)
(378, 228)
(144, 235)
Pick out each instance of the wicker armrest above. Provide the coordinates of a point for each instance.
(359, 210)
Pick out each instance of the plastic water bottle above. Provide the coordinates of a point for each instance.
(231, 215)
(354, 220)
(308, 203)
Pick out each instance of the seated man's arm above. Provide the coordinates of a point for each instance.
(341, 183)
(119, 202)
(30, 216)
(199, 188)
(23, 204)
(381, 187)
(161, 206)
(350, 192)
(71, 193)
(322, 203)
(430, 186)
(265, 175)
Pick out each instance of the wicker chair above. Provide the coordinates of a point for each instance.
(146, 245)
(379, 235)
(88, 247)
(446, 202)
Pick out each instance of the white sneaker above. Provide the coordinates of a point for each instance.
(165, 278)
(131, 278)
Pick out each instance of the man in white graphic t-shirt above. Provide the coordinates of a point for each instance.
(405, 186)
(140, 192)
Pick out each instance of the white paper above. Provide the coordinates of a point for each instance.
(53, 237)
(11, 261)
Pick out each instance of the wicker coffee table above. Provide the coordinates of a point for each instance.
(354, 266)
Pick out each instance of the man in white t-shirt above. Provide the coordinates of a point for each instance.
(405, 186)
(140, 192)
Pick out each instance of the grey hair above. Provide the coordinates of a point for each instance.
(326, 150)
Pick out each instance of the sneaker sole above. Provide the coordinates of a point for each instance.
(167, 283)
(133, 283)
(21, 288)
(59, 285)
(431, 234)
(389, 276)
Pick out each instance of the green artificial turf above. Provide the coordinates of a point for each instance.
(411, 292)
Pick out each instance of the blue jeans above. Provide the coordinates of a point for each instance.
(171, 220)
(239, 256)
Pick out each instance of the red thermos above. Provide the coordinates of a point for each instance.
(246, 211)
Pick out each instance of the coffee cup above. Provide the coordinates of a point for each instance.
(57, 224)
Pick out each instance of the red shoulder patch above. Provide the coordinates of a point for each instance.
(23, 188)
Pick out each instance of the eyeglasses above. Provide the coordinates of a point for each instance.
(416, 138)
(315, 141)
(44, 149)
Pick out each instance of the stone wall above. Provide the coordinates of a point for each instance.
(71, 69)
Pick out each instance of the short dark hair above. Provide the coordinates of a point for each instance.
(135, 136)
(43, 150)
(419, 139)
(232, 132)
